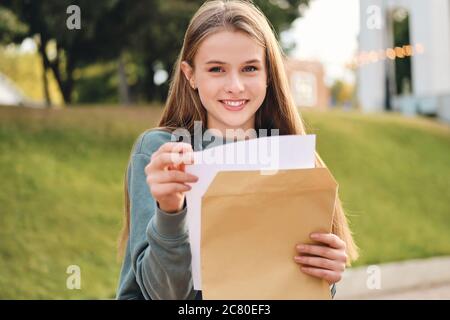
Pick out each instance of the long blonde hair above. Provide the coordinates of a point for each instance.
(278, 111)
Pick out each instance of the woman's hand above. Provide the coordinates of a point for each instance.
(166, 177)
(326, 260)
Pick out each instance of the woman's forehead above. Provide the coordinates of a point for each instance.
(230, 47)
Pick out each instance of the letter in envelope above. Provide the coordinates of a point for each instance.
(250, 224)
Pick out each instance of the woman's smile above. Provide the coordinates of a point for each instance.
(234, 105)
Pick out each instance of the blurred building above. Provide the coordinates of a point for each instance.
(404, 61)
(306, 79)
(9, 93)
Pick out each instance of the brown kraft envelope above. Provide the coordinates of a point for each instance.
(250, 225)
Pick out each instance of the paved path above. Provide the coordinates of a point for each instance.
(414, 279)
(423, 293)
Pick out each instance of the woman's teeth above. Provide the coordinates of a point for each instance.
(234, 103)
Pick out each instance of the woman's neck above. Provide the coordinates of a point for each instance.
(245, 131)
(234, 134)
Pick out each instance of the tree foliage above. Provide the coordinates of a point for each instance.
(146, 33)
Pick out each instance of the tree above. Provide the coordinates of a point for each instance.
(46, 21)
(342, 92)
(148, 31)
(11, 28)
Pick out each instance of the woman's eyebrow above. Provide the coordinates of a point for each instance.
(221, 62)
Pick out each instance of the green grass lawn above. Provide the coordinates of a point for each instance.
(61, 195)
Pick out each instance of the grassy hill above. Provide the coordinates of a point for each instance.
(61, 195)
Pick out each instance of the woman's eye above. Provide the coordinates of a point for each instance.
(254, 68)
(219, 69)
(215, 69)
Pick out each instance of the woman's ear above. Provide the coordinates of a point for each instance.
(188, 73)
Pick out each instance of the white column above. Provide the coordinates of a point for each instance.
(371, 77)
(430, 26)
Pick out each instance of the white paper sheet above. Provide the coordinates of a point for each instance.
(266, 153)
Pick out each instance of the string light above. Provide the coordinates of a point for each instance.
(373, 56)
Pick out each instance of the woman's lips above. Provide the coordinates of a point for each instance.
(233, 105)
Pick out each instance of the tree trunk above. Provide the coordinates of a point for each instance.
(45, 67)
(148, 84)
(65, 85)
(124, 92)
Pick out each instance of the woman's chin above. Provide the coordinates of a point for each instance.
(235, 125)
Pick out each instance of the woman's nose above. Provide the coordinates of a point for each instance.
(234, 84)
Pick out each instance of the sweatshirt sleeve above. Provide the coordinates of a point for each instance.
(158, 243)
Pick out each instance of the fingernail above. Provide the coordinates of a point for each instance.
(301, 247)
(314, 235)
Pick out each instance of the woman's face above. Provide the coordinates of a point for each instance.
(230, 76)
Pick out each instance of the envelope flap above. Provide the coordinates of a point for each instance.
(252, 181)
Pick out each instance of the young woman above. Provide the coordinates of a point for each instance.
(229, 75)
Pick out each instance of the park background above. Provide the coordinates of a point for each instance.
(74, 100)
